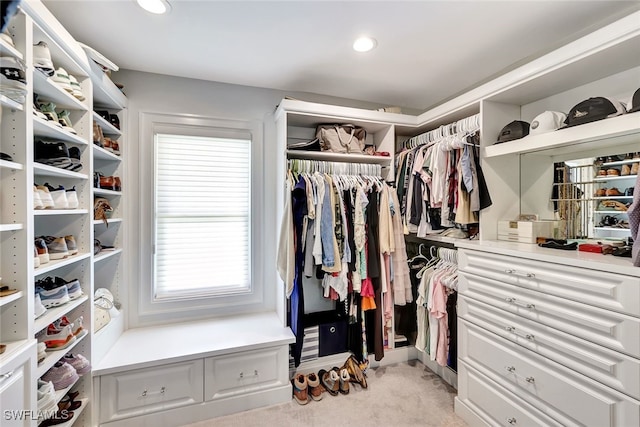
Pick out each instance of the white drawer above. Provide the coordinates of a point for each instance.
(244, 372)
(611, 368)
(143, 391)
(566, 396)
(610, 329)
(606, 290)
(494, 404)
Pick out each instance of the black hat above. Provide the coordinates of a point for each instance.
(635, 102)
(593, 109)
(515, 130)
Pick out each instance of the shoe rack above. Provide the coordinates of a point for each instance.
(20, 223)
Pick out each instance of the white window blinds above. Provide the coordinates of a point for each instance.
(202, 216)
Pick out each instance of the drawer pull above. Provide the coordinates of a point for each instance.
(510, 329)
(531, 275)
(510, 271)
(530, 379)
(144, 393)
(529, 337)
(6, 376)
(511, 420)
(511, 368)
(162, 390)
(510, 299)
(514, 301)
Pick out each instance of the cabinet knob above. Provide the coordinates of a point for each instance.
(255, 373)
(509, 271)
(6, 376)
(511, 368)
(144, 393)
(531, 275)
(162, 390)
(529, 337)
(511, 420)
(532, 306)
(241, 374)
(510, 299)
(510, 328)
(530, 379)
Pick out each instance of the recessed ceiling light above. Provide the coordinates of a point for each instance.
(364, 44)
(155, 6)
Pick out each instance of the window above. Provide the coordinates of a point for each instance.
(202, 216)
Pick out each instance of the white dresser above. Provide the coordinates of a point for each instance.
(547, 337)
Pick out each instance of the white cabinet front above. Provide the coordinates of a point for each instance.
(14, 403)
(142, 391)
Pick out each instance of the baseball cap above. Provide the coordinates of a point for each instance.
(593, 109)
(635, 102)
(515, 130)
(547, 122)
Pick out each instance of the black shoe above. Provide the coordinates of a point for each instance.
(554, 245)
(114, 120)
(628, 191)
(624, 251)
(5, 156)
(104, 114)
(74, 155)
(53, 154)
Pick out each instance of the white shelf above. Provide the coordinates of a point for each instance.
(48, 90)
(107, 128)
(105, 93)
(61, 57)
(11, 165)
(55, 313)
(10, 298)
(614, 178)
(612, 197)
(103, 255)
(10, 103)
(610, 212)
(46, 129)
(54, 356)
(337, 157)
(102, 154)
(103, 192)
(611, 132)
(13, 348)
(61, 393)
(40, 169)
(612, 229)
(110, 221)
(53, 265)
(620, 163)
(76, 414)
(53, 212)
(11, 227)
(7, 50)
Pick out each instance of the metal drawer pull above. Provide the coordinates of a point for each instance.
(530, 379)
(144, 393)
(529, 337)
(531, 275)
(512, 329)
(509, 299)
(7, 375)
(511, 368)
(511, 420)
(162, 390)
(255, 373)
(513, 300)
(510, 271)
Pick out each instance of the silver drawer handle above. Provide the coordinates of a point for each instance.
(144, 393)
(511, 420)
(530, 379)
(510, 271)
(255, 373)
(514, 301)
(511, 368)
(531, 275)
(162, 390)
(6, 376)
(509, 299)
(512, 329)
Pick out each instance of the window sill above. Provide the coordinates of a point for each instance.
(157, 345)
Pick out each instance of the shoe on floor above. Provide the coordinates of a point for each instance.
(314, 386)
(62, 375)
(330, 380)
(300, 389)
(344, 381)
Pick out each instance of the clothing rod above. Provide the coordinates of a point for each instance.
(335, 168)
(467, 125)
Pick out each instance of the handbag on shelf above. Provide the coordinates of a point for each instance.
(102, 209)
(341, 138)
(104, 304)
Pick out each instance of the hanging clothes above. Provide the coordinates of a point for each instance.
(299, 210)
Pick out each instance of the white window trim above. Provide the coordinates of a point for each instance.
(155, 311)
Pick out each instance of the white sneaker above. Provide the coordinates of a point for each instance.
(45, 196)
(42, 347)
(47, 405)
(57, 339)
(61, 77)
(37, 201)
(65, 122)
(58, 195)
(36, 259)
(42, 58)
(13, 83)
(7, 37)
(77, 90)
(39, 309)
(72, 198)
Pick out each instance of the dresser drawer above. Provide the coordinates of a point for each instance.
(607, 328)
(600, 289)
(609, 367)
(496, 405)
(566, 396)
(244, 372)
(143, 391)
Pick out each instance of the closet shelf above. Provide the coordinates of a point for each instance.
(103, 192)
(51, 212)
(110, 221)
(610, 132)
(54, 356)
(11, 227)
(612, 197)
(45, 129)
(612, 229)
(61, 393)
(59, 54)
(107, 128)
(76, 414)
(620, 163)
(53, 265)
(5, 164)
(10, 298)
(610, 212)
(106, 255)
(105, 93)
(50, 91)
(7, 50)
(337, 157)
(102, 154)
(10, 103)
(40, 169)
(54, 313)
(614, 178)
(13, 349)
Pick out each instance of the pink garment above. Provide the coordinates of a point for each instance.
(439, 310)
(388, 300)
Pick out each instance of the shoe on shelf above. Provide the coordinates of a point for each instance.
(53, 297)
(634, 168)
(610, 192)
(98, 137)
(36, 260)
(108, 144)
(6, 37)
(57, 339)
(42, 347)
(37, 200)
(79, 363)
(115, 147)
(53, 154)
(74, 156)
(49, 110)
(47, 404)
(107, 183)
(45, 197)
(104, 114)
(72, 198)
(42, 59)
(62, 375)
(76, 89)
(115, 121)
(74, 289)
(36, 107)
(61, 77)
(65, 122)
(601, 192)
(59, 196)
(39, 309)
(330, 380)
(629, 192)
(13, 83)
(72, 246)
(76, 327)
(57, 247)
(300, 389)
(43, 251)
(625, 170)
(117, 184)
(607, 205)
(613, 172)
(314, 387)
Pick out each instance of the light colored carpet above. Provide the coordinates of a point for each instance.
(405, 394)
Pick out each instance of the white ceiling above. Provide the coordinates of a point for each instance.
(428, 51)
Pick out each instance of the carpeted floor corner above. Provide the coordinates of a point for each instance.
(401, 395)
